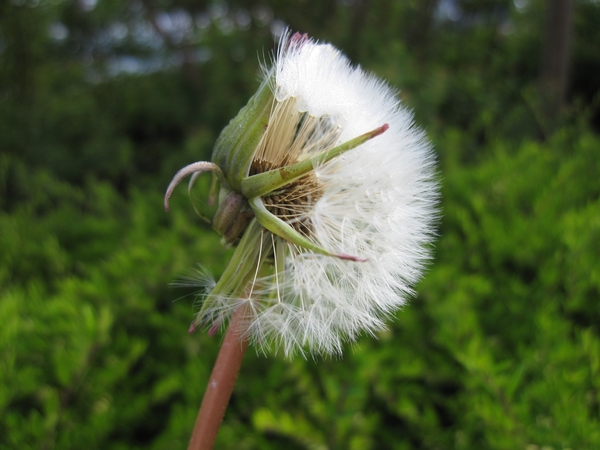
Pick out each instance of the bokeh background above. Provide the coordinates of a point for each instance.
(101, 101)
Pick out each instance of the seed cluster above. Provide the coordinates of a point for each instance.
(293, 201)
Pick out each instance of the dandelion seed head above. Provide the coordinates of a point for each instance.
(377, 201)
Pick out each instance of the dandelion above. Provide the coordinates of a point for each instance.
(326, 188)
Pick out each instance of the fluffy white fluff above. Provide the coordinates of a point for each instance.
(377, 201)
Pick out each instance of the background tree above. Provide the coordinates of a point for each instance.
(556, 55)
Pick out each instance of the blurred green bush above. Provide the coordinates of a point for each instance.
(501, 348)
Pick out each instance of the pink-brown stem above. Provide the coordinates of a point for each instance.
(220, 385)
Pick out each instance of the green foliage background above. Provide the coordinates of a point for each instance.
(501, 348)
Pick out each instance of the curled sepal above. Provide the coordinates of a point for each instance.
(282, 229)
(212, 194)
(195, 168)
(266, 182)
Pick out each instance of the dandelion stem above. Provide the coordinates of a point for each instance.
(220, 384)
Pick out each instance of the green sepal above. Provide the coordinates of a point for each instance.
(237, 143)
(193, 169)
(248, 258)
(266, 182)
(282, 229)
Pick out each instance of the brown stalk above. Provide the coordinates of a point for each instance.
(220, 384)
